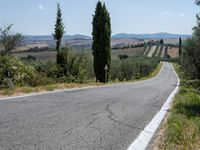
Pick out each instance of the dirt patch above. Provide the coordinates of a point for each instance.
(173, 52)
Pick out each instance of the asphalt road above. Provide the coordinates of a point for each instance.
(102, 118)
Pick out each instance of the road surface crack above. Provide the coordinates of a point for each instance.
(91, 122)
(111, 117)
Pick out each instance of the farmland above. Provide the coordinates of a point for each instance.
(161, 51)
(150, 51)
(51, 55)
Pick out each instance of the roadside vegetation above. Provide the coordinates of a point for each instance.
(182, 128)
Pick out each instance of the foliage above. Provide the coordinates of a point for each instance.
(161, 41)
(62, 60)
(190, 59)
(132, 68)
(75, 68)
(180, 47)
(198, 2)
(182, 129)
(101, 41)
(22, 74)
(8, 40)
(29, 58)
(59, 29)
(123, 56)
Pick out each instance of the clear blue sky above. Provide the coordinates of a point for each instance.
(37, 17)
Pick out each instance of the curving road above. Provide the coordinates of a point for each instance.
(102, 118)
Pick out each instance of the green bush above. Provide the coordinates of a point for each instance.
(22, 74)
(123, 56)
(72, 67)
(132, 68)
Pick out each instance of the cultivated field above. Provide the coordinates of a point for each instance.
(150, 51)
(40, 56)
(161, 51)
(173, 52)
(51, 55)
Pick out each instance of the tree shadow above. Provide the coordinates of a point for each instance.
(190, 110)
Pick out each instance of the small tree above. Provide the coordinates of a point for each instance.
(8, 40)
(101, 42)
(59, 30)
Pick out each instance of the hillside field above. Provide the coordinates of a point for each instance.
(161, 51)
(51, 55)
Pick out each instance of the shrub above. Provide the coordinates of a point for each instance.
(22, 74)
(29, 58)
(75, 67)
(133, 68)
(123, 56)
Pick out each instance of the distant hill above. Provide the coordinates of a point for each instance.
(116, 36)
(150, 36)
(79, 41)
(50, 37)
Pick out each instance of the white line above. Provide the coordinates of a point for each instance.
(145, 136)
(82, 88)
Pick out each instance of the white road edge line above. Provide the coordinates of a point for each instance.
(145, 136)
(75, 89)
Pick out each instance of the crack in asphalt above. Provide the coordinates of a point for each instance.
(111, 114)
(91, 122)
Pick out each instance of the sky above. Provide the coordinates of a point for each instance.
(37, 17)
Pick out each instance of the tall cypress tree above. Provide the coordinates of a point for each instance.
(59, 30)
(180, 46)
(101, 42)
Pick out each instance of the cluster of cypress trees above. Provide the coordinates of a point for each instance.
(101, 42)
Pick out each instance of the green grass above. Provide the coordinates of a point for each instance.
(182, 131)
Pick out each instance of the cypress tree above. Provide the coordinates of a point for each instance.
(161, 41)
(180, 46)
(59, 30)
(101, 42)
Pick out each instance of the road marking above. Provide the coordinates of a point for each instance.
(82, 88)
(145, 136)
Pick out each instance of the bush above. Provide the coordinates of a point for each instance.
(123, 56)
(132, 68)
(190, 59)
(72, 67)
(22, 74)
(28, 58)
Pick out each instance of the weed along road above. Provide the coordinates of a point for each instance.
(101, 118)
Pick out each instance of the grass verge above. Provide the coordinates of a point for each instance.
(52, 87)
(181, 130)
